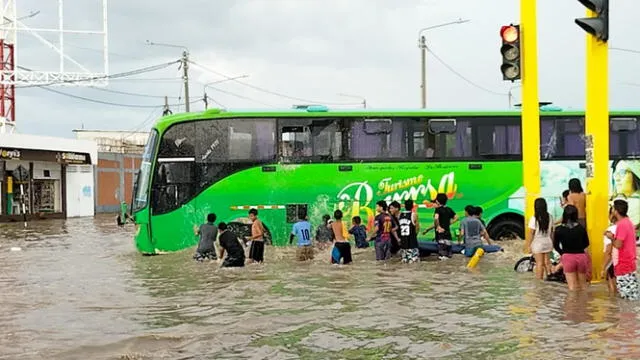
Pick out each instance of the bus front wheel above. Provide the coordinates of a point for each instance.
(506, 228)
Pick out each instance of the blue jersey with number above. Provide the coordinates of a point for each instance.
(302, 230)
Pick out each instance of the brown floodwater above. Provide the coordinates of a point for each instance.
(78, 289)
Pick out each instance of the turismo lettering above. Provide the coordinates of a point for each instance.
(356, 198)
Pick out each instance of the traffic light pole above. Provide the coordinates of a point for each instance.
(530, 107)
(597, 146)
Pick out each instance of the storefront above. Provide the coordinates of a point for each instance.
(53, 178)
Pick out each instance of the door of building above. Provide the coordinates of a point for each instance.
(79, 190)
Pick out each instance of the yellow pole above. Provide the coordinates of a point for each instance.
(597, 146)
(530, 106)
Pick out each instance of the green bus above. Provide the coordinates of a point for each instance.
(317, 159)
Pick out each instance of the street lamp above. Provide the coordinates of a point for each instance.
(364, 101)
(422, 45)
(204, 88)
(185, 69)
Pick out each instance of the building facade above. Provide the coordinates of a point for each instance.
(46, 177)
(119, 157)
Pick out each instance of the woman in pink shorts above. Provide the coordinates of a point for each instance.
(571, 241)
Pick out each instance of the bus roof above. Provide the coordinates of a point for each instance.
(322, 111)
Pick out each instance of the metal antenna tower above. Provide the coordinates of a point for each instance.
(11, 74)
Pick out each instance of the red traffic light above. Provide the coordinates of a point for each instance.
(509, 33)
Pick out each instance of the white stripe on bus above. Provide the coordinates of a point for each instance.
(183, 159)
(259, 207)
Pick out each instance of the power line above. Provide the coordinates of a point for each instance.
(149, 79)
(107, 102)
(625, 50)
(450, 68)
(130, 93)
(112, 76)
(240, 96)
(149, 117)
(266, 90)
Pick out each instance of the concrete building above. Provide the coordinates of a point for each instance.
(119, 157)
(46, 177)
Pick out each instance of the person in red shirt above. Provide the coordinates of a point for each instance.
(624, 240)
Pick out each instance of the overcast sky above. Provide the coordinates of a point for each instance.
(310, 49)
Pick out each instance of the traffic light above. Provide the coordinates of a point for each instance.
(597, 26)
(510, 51)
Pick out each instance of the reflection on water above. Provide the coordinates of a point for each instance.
(79, 290)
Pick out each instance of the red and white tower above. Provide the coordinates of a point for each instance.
(12, 75)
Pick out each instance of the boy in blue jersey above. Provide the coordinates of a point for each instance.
(359, 232)
(302, 230)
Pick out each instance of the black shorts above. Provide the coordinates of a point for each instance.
(233, 262)
(256, 252)
(609, 273)
(344, 250)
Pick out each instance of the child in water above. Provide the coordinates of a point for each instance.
(359, 232)
(610, 254)
(324, 234)
(208, 233)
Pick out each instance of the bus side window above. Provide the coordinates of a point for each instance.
(422, 143)
(378, 138)
(453, 138)
(498, 137)
(317, 140)
(562, 137)
(624, 137)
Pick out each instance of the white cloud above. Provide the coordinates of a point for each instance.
(315, 49)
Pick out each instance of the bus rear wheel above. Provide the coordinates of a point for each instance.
(507, 229)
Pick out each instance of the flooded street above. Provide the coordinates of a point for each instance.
(79, 290)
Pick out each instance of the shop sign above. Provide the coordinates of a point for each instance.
(9, 154)
(72, 158)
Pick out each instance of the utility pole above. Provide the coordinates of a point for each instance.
(166, 111)
(185, 76)
(422, 44)
(423, 67)
(184, 62)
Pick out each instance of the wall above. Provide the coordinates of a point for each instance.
(114, 180)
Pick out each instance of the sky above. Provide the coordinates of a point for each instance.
(314, 50)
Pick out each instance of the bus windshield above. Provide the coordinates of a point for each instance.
(141, 187)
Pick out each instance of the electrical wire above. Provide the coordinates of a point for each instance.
(266, 90)
(625, 50)
(107, 102)
(241, 96)
(450, 68)
(130, 93)
(151, 116)
(112, 76)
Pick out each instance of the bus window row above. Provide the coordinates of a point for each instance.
(345, 139)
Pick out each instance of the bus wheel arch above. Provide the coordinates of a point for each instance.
(507, 225)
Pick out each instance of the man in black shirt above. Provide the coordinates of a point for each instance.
(442, 220)
(229, 242)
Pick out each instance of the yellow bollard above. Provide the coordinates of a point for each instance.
(476, 258)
